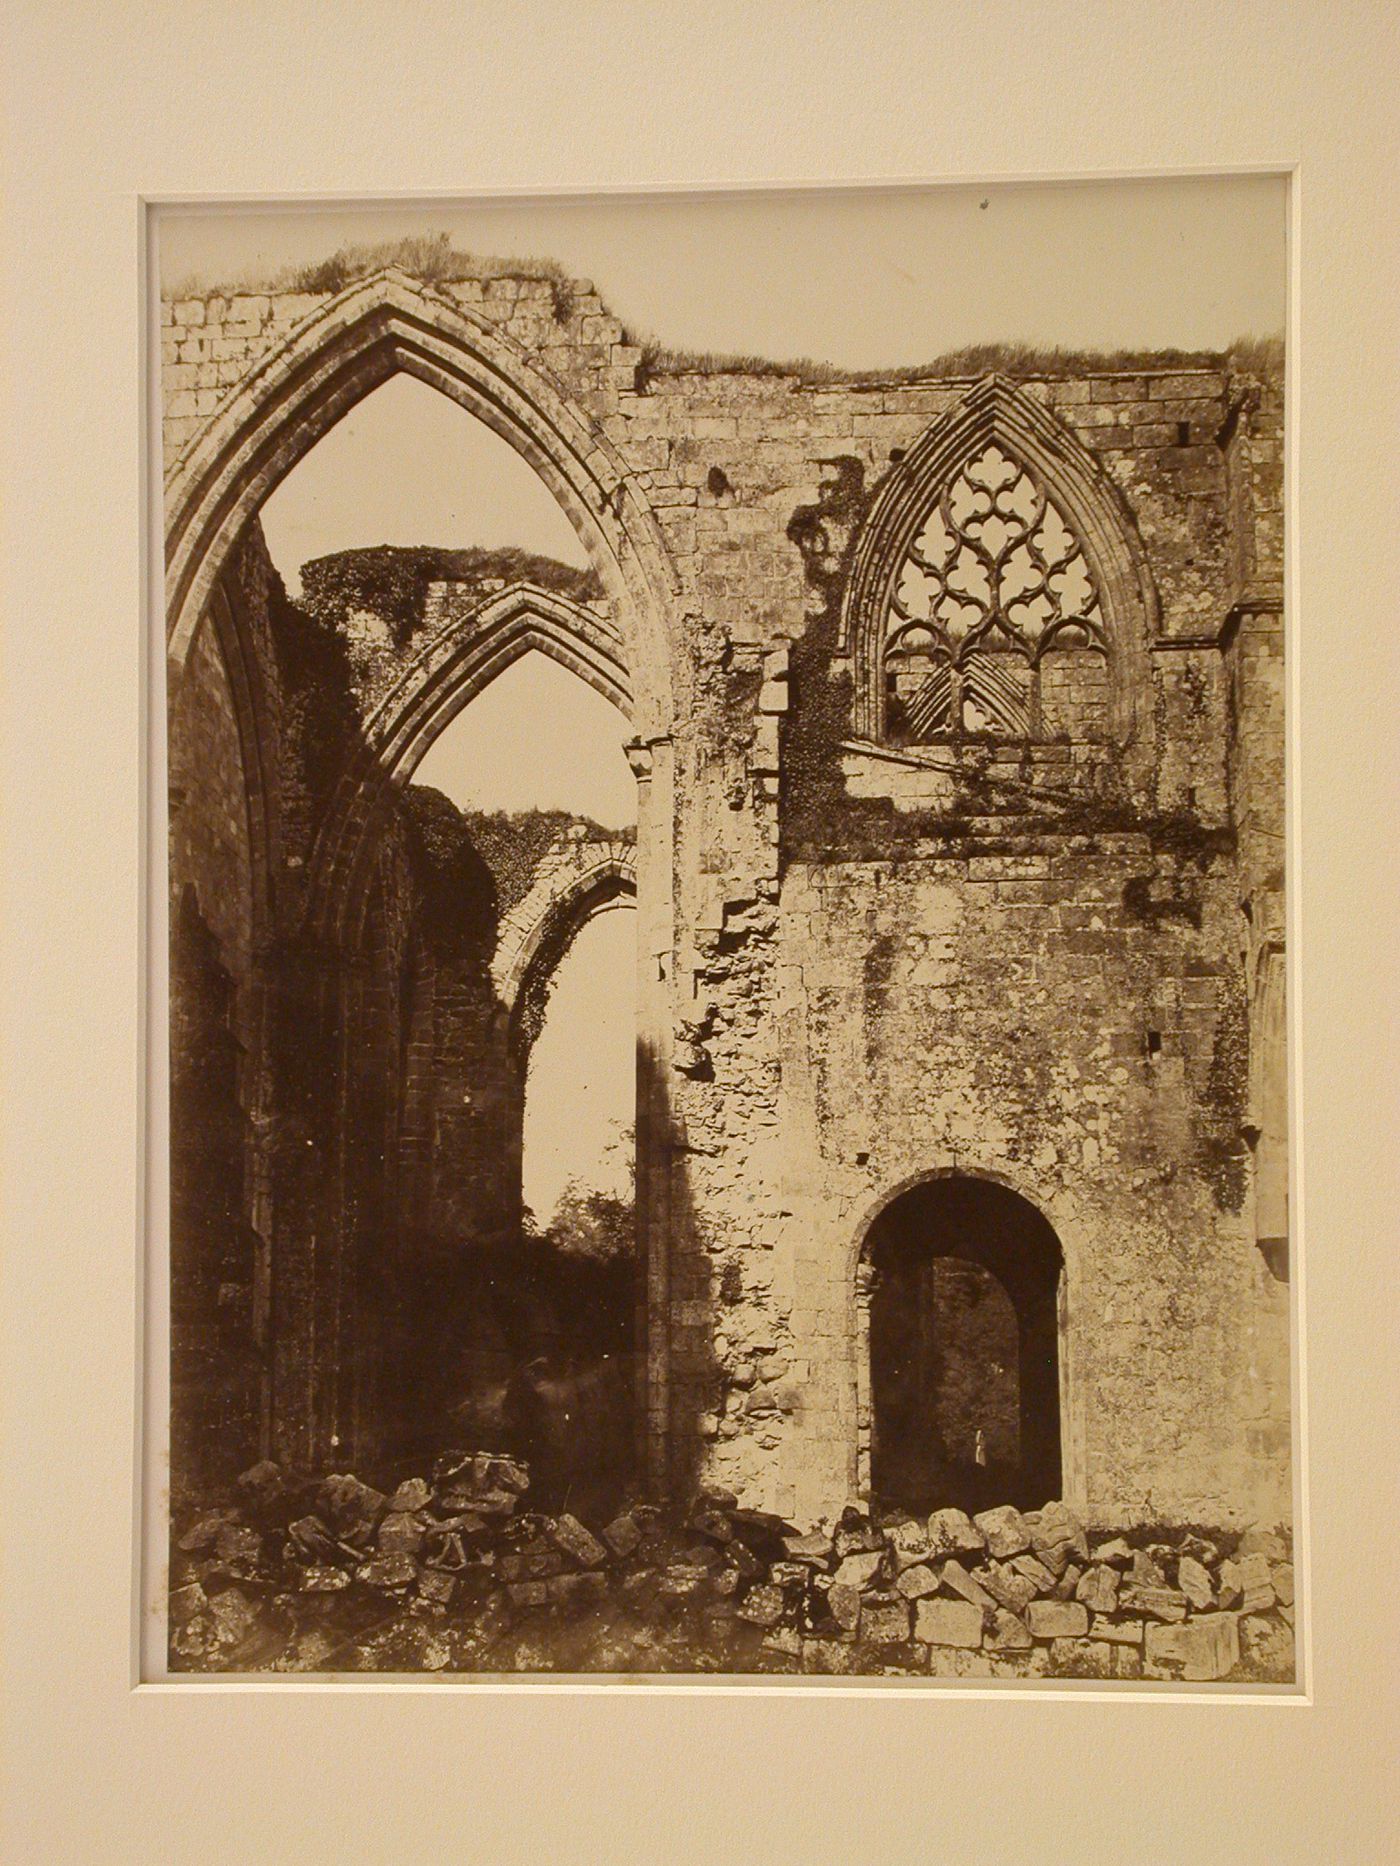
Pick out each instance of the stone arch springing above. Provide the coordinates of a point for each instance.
(1084, 580)
(958, 1229)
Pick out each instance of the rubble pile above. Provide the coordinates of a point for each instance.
(460, 1573)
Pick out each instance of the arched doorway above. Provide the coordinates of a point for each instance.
(962, 1279)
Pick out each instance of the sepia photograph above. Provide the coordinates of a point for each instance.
(728, 1066)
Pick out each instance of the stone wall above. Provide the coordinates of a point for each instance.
(1027, 962)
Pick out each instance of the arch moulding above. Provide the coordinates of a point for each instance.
(996, 410)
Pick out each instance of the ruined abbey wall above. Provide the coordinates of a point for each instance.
(1048, 958)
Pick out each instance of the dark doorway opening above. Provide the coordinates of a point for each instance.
(964, 1349)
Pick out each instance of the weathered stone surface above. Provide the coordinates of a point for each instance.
(412, 1494)
(1267, 1649)
(262, 1485)
(1057, 1619)
(1005, 1531)
(1266, 1542)
(1146, 1571)
(1115, 1553)
(390, 1572)
(622, 1536)
(580, 1544)
(437, 1587)
(1009, 1589)
(884, 1623)
(1094, 1658)
(918, 1582)
(1007, 1633)
(956, 1579)
(1057, 1536)
(762, 1606)
(1256, 1584)
(1097, 1587)
(948, 1623)
(1205, 1648)
(1158, 1603)
(1281, 1580)
(1035, 1571)
(400, 1534)
(860, 1570)
(1194, 1582)
(814, 1548)
(843, 1603)
(1118, 1632)
(1229, 1590)
(952, 1532)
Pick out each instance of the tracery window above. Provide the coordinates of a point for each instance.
(994, 625)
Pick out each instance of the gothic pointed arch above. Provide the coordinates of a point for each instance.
(997, 588)
(455, 665)
(589, 878)
(330, 362)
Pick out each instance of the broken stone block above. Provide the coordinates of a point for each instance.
(232, 1615)
(1035, 1571)
(957, 1579)
(1266, 1648)
(859, 1570)
(309, 1540)
(1200, 1649)
(1281, 1580)
(400, 1534)
(948, 1623)
(1067, 1587)
(509, 1474)
(622, 1536)
(1256, 1584)
(262, 1486)
(317, 1579)
(185, 1603)
(953, 1532)
(1118, 1632)
(1145, 1571)
(1227, 1584)
(390, 1573)
(713, 1524)
(437, 1587)
(919, 1582)
(683, 1580)
(205, 1533)
(1005, 1531)
(762, 1606)
(1265, 1542)
(1057, 1536)
(1007, 1588)
(527, 1594)
(784, 1640)
(814, 1548)
(717, 1497)
(884, 1623)
(344, 1503)
(727, 1582)
(577, 1542)
(412, 1494)
(1113, 1554)
(1158, 1603)
(843, 1604)
(239, 1546)
(788, 1573)
(1008, 1632)
(1097, 1587)
(1057, 1619)
(1194, 1582)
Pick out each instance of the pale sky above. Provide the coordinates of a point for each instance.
(861, 279)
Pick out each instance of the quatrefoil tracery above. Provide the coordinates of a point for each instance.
(993, 580)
